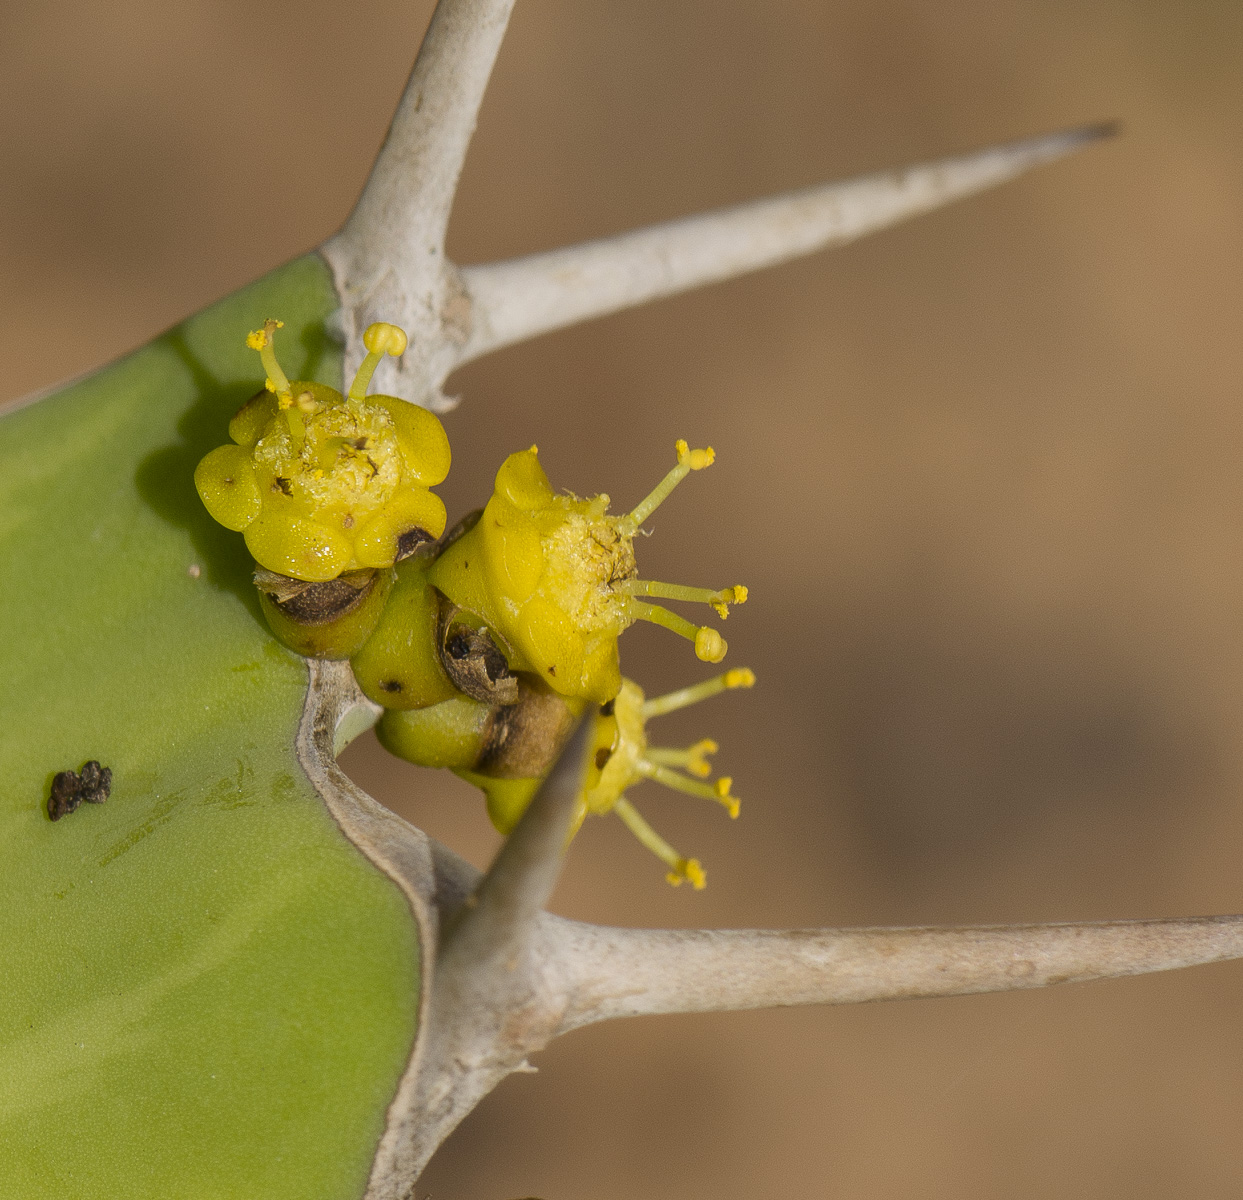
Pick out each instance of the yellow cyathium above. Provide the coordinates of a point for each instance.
(622, 757)
(554, 578)
(322, 483)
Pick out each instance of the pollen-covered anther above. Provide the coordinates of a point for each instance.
(681, 869)
(697, 758)
(261, 340)
(727, 596)
(695, 460)
(719, 600)
(263, 337)
(688, 460)
(688, 869)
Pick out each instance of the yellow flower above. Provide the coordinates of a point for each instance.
(322, 483)
(554, 578)
(624, 758)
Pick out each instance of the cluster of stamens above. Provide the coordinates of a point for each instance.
(709, 645)
(623, 758)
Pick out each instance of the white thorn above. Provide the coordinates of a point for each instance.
(499, 918)
(628, 972)
(389, 256)
(522, 297)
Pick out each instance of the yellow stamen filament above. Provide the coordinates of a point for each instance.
(693, 759)
(659, 705)
(676, 591)
(688, 460)
(261, 340)
(710, 646)
(680, 868)
(380, 339)
(718, 791)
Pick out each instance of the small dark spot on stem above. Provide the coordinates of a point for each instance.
(602, 756)
(70, 789)
(391, 685)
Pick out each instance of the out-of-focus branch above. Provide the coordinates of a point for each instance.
(628, 972)
(523, 297)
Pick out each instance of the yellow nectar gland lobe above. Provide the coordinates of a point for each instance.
(321, 483)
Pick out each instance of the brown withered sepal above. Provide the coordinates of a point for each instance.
(473, 661)
(523, 740)
(315, 603)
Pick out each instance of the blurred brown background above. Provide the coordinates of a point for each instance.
(982, 474)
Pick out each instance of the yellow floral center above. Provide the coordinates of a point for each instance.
(347, 457)
(585, 555)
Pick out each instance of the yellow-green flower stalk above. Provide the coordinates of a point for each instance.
(321, 483)
(553, 577)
